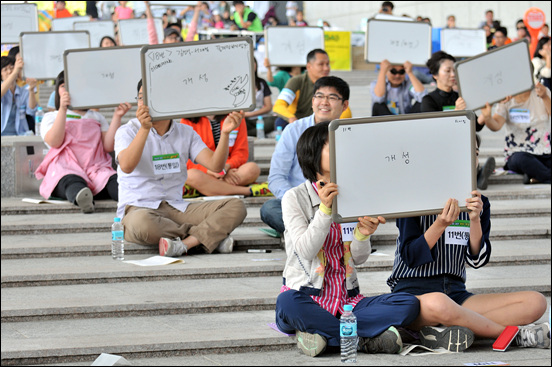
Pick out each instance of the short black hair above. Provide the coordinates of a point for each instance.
(139, 86)
(387, 4)
(502, 30)
(238, 3)
(109, 38)
(309, 149)
(13, 51)
(339, 84)
(7, 61)
(312, 55)
(435, 61)
(59, 81)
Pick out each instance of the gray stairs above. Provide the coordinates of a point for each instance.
(65, 301)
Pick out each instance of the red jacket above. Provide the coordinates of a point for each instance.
(238, 149)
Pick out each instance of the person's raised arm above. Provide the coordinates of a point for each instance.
(153, 37)
(416, 83)
(130, 157)
(381, 84)
(31, 82)
(55, 136)
(216, 160)
(493, 122)
(10, 80)
(269, 76)
(108, 137)
(450, 213)
(192, 27)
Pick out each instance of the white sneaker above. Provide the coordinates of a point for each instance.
(85, 200)
(226, 245)
(534, 336)
(171, 247)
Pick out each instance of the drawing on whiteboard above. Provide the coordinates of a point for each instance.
(239, 89)
(405, 43)
(393, 157)
(497, 78)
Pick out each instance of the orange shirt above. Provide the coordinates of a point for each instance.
(63, 13)
(238, 148)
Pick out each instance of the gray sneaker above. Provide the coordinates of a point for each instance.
(310, 344)
(387, 342)
(451, 338)
(171, 247)
(534, 336)
(226, 245)
(85, 200)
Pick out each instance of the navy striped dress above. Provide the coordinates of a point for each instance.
(414, 259)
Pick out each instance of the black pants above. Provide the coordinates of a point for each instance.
(69, 186)
(381, 109)
(535, 166)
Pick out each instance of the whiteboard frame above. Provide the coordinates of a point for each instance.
(112, 35)
(35, 20)
(445, 30)
(71, 20)
(47, 33)
(459, 64)
(304, 63)
(336, 124)
(146, 48)
(68, 80)
(367, 57)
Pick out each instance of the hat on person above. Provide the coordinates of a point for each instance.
(169, 31)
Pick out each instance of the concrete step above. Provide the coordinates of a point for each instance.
(85, 266)
(187, 296)
(66, 340)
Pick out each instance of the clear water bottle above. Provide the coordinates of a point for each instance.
(260, 128)
(38, 120)
(117, 240)
(278, 133)
(348, 334)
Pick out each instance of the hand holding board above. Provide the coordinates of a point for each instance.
(198, 78)
(397, 41)
(401, 166)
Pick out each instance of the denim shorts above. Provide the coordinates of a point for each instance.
(452, 286)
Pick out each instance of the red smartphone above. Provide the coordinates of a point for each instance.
(505, 338)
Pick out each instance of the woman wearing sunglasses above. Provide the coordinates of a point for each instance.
(393, 94)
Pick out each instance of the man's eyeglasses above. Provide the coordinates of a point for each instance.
(395, 71)
(331, 97)
(139, 98)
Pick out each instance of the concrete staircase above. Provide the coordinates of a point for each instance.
(65, 301)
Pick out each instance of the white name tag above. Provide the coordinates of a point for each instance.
(166, 163)
(233, 137)
(458, 233)
(347, 231)
(520, 116)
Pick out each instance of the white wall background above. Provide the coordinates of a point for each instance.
(347, 15)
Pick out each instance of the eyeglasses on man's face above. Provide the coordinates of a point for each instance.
(395, 71)
(331, 97)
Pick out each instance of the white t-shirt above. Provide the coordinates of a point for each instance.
(50, 117)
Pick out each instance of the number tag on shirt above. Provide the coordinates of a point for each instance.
(347, 231)
(449, 108)
(166, 163)
(233, 137)
(458, 233)
(520, 116)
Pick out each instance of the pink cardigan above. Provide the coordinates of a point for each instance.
(82, 153)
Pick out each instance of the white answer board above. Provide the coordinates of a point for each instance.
(401, 166)
(289, 46)
(17, 18)
(198, 78)
(463, 42)
(111, 77)
(495, 75)
(135, 31)
(42, 52)
(66, 24)
(173, 3)
(97, 30)
(397, 42)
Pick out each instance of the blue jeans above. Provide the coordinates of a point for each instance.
(296, 310)
(453, 287)
(535, 166)
(271, 214)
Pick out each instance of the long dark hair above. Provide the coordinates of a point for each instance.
(59, 81)
(540, 44)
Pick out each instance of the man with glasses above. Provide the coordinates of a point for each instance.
(329, 100)
(294, 101)
(500, 38)
(392, 94)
